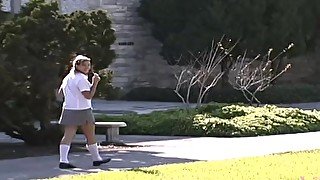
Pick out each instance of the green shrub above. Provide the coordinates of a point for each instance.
(169, 123)
(105, 89)
(291, 93)
(236, 120)
(285, 93)
(151, 94)
(221, 120)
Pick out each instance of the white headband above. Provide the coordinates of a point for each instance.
(80, 57)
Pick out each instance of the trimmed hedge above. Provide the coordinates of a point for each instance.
(221, 120)
(293, 93)
(239, 120)
(151, 94)
(169, 123)
(275, 94)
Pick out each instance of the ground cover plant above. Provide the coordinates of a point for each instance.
(221, 120)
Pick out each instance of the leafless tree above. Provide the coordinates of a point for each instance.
(255, 75)
(201, 72)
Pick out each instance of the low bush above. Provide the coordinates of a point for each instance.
(239, 120)
(275, 94)
(221, 120)
(286, 93)
(169, 123)
(151, 94)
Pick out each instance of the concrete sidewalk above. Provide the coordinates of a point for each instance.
(157, 150)
(140, 107)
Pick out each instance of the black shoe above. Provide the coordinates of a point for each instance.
(66, 166)
(98, 163)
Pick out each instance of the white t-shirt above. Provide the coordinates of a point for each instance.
(73, 98)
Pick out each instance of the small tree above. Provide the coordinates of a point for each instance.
(91, 34)
(32, 48)
(256, 75)
(201, 72)
(35, 46)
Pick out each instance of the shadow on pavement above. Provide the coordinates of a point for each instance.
(146, 138)
(47, 166)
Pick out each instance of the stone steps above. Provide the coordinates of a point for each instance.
(124, 14)
(119, 8)
(128, 20)
(129, 3)
(137, 62)
(126, 27)
(130, 34)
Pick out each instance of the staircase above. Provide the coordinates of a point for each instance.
(138, 63)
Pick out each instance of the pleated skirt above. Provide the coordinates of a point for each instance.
(76, 117)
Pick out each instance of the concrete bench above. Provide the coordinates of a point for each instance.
(112, 134)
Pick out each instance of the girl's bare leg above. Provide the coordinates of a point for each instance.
(69, 133)
(89, 131)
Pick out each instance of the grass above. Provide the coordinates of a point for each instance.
(294, 165)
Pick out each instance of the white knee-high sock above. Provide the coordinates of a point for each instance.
(64, 151)
(93, 149)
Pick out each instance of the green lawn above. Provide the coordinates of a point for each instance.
(296, 165)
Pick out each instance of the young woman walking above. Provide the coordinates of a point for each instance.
(77, 110)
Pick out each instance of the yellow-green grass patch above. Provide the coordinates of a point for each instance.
(294, 165)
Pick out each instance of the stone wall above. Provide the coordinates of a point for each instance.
(68, 6)
(13, 5)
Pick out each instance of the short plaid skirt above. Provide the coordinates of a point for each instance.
(76, 117)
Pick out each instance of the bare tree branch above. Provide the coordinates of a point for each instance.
(251, 78)
(201, 72)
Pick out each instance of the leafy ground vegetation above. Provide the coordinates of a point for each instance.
(222, 120)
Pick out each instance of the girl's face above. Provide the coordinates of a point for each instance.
(84, 67)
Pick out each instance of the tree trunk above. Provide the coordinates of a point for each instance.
(225, 76)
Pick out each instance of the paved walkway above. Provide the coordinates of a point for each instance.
(140, 107)
(156, 150)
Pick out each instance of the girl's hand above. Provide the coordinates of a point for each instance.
(96, 78)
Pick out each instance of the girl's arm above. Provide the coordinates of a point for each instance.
(90, 94)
